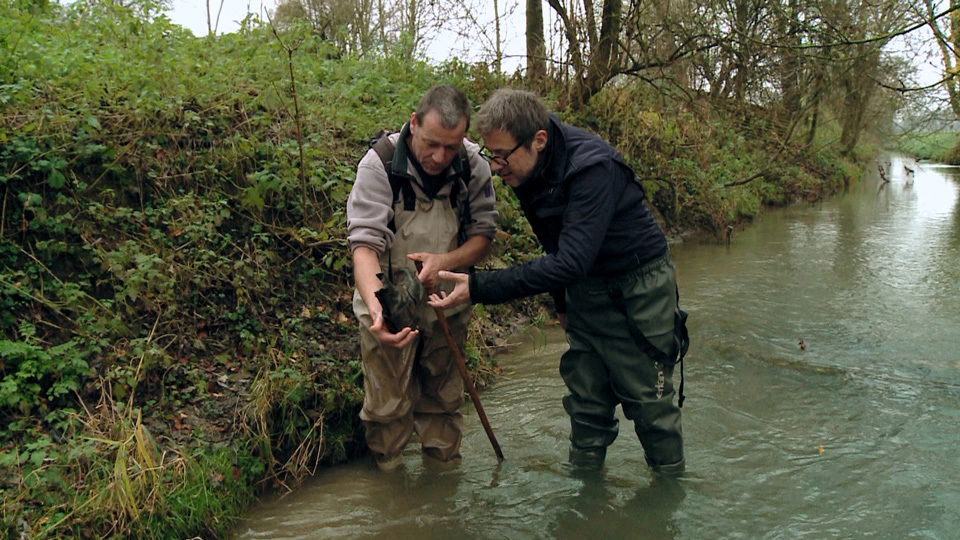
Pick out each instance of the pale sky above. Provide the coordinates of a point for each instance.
(192, 14)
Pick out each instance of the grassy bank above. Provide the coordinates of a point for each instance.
(176, 317)
(937, 147)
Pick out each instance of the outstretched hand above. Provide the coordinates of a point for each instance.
(399, 340)
(459, 295)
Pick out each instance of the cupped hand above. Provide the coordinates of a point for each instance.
(399, 340)
(459, 295)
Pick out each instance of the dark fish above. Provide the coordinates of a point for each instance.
(400, 299)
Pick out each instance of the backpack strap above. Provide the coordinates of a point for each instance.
(464, 211)
(385, 150)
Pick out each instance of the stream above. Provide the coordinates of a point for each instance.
(855, 436)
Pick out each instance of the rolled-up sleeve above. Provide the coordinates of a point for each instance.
(369, 206)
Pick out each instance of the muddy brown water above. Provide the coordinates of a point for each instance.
(854, 437)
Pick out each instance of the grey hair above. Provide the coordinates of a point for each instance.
(451, 104)
(517, 112)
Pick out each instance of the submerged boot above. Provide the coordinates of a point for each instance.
(587, 458)
(673, 469)
(388, 464)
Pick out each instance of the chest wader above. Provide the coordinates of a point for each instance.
(417, 388)
(606, 365)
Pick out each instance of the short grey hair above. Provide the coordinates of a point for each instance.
(451, 104)
(517, 112)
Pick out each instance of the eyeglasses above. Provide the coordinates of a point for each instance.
(486, 154)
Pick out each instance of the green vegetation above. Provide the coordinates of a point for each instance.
(175, 319)
(940, 147)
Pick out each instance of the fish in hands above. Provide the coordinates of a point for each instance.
(396, 323)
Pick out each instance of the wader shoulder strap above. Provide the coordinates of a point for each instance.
(466, 218)
(385, 150)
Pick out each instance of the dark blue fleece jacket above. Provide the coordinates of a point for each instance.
(586, 207)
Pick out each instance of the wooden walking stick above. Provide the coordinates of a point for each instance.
(462, 366)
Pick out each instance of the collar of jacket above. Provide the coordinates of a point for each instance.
(555, 153)
(549, 171)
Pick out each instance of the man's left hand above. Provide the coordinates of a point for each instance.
(459, 295)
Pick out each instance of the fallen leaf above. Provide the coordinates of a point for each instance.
(821, 449)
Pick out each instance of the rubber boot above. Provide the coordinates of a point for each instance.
(673, 469)
(587, 458)
(389, 464)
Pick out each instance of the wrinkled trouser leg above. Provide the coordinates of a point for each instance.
(590, 403)
(390, 391)
(605, 366)
(402, 395)
(437, 417)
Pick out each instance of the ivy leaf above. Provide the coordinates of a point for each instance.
(56, 179)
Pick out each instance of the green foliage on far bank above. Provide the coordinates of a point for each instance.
(941, 147)
(175, 319)
(711, 167)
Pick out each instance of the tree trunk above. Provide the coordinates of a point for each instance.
(602, 62)
(498, 52)
(573, 42)
(536, 46)
(815, 95)
(411, 28)
(791, 65)
(948, 51)
(859, 88)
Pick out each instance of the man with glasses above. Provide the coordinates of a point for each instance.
(406, 209)
(608, 268)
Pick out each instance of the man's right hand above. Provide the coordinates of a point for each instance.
(459, 295)
(399, 340)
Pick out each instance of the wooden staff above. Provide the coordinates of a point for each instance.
(462, 366)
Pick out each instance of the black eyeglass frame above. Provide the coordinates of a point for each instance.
(499, 160)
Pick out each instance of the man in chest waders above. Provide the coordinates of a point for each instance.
(423, 195)
(608, 268)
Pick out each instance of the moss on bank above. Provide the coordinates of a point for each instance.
(176, 317)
